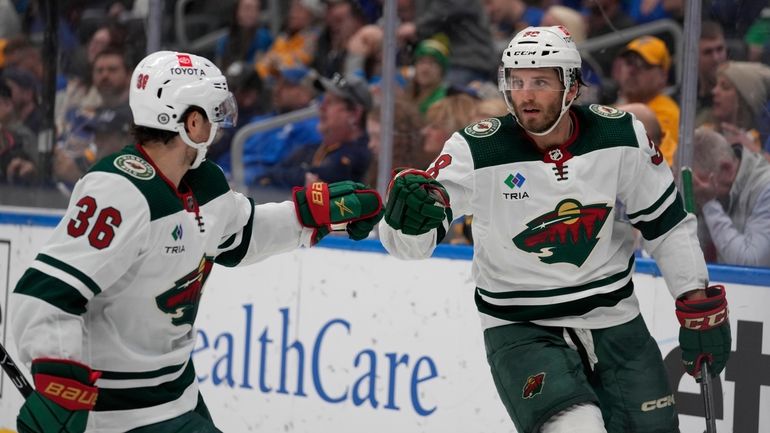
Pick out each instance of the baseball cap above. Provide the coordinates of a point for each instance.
(653, 50)
(296, 75)
(117, 120)
(352, 88)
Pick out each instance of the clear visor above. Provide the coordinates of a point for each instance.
(226, 113)
(510, 79)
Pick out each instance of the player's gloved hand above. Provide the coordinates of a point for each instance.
(64, 394)
(330, 206)
(417, 203)
(705, 331)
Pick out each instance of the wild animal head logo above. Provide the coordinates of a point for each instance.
(181, 301)
(533, 386)
(567, 234)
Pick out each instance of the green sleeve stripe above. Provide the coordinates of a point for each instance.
(229, 241)
(650, 210)
(561, 290)
(233, 257)
(578, 307)
(138, 398)
(663, 223)
(122, 375)
(58, 264)
(53, 291)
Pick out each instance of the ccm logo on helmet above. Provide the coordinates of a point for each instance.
(524, 53)
(658, 404)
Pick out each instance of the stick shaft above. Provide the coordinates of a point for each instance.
(17, 377)
(707, 392)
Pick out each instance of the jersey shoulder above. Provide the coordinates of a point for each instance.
(497, 141)
(207, 182)
(603, 127)
(131, 165)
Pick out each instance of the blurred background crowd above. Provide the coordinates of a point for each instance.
(307, 75)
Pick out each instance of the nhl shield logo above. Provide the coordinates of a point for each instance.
(533, 386)
(566, 234)
(134, 166)
(483, 128)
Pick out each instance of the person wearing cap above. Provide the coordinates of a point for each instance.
(431, 60)
(293, 90)
(731, 187)
(643, 76)
(740, 103)
(344, 152)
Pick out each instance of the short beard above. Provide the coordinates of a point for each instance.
(551, 115)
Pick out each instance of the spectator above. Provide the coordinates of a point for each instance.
(606, 16)
(76, 151)
(265, 149)
(712, 52)
(22, 54)
(250, 95)
(431, 60)
(489, 107)
(740, 103)
(732, 192)
(25, 92)
(507, 17)
(645, 63)
(645, 115)
(758, 36)
(246, 37)
(571, 19)
(407, 140)
(444, 118)
(467, 26)
(344, 151)
(343, 19)
(296, 45)
(16, 164)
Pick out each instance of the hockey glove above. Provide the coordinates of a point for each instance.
(417, 204)
(330, 206)
(705, 331)
(64, 394)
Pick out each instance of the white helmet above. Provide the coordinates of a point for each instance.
(165, 84)
(541, 47)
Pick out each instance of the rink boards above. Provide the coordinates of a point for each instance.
(343, 338)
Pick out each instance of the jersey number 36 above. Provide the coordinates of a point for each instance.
(102, 231)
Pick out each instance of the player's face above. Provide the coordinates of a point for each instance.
(536, 95)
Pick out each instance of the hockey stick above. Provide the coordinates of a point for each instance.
(707, 392)
(17, 377)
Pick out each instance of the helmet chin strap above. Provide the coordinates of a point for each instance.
(200, 147)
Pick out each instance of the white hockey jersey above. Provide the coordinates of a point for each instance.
(118, 285)
(553, 241)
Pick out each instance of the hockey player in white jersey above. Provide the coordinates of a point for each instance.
(555, 191)
(105, 313)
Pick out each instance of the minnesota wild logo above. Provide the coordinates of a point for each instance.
(181, 301)
(567, 234)
(533, 385)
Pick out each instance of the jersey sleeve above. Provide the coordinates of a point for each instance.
(255, 232)
(656, 209)
(453, 168)
(103, 232)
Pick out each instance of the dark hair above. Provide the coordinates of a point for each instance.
(711, 30)
(144, 134)
(114, 50)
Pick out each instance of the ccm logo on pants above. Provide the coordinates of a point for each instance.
(658, 404)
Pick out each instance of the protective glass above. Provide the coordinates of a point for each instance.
(226, 113)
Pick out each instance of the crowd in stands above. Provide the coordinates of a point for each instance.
(326, 56)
